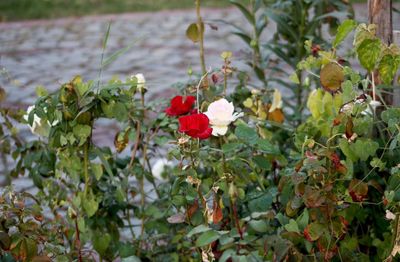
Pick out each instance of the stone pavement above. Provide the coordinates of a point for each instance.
(52, 52)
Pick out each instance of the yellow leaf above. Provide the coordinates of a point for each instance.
(276, 101)
(332, 76)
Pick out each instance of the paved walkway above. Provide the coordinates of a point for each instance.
(51, 52)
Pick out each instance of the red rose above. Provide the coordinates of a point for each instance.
(196, 125)
(180, 105)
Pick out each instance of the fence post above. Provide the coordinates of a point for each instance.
(380, 14)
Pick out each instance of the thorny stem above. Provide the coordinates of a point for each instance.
(200, 28)
(78, 240)
(203, 203)
(236, 218)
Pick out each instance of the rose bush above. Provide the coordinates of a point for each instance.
(227, 181)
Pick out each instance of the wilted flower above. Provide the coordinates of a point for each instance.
(221, 114)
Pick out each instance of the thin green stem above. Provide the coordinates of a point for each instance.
(86, 167)
(200, 27)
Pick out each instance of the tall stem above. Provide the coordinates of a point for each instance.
(141, 181)
(200, 28)
(86, 167)
(78, 240)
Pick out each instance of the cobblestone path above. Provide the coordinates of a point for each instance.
(51, 52)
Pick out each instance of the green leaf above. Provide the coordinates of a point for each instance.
(388, 67)
(249, 16)
(192, 32)
(294, 78)
(262, 162)
(63, 140)
(199, 229)
(41, 91)
(347, 150)
(368, 53)
(259, 225)
(292, 226)
(227, 148)
(265, 146)
(97, 170)
(101, 241)
(314, 230)
(314, 103)
(302, 220)
(227, 254)
(90, 205)
(82, 132)
(364, 148)
(103, 160)
(246, 133)
(207, 238)
(131, 259)
(378, 163)
(261, 203)
(343, 30)
(118, 53)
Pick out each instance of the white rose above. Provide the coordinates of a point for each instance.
(221, 114)
(39, 126)
(141, 82)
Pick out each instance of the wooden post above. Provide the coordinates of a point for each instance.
(380, 14)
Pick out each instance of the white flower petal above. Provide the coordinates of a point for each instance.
(237, 115)
(390, 215)
(141, 81)
(219, 130)
(221, 114)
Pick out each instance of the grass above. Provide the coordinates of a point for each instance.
(12, 10)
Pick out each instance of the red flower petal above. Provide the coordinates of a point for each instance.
(206, 134)
(180, 105)
(196, 126)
